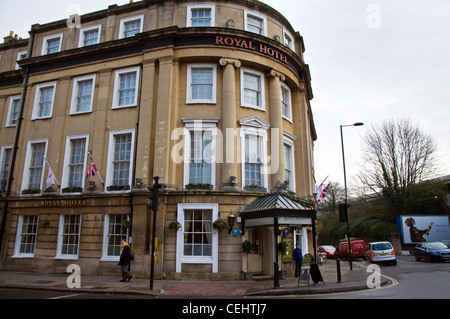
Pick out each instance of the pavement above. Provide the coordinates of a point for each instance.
(351, 280)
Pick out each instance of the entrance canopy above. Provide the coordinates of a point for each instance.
(278, 209)
(286, 210)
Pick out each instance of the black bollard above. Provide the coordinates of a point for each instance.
(338, 267)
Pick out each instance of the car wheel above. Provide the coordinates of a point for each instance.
(416, 256)
(428, 258)
(394, 263)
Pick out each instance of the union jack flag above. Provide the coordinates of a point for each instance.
(92, 168)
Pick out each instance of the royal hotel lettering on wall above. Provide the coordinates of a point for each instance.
(63, 202)
(250, 45)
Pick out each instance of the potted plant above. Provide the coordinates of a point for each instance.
(124, 225)
(174, 225)
(44, 223)
(113, 188)
(282, 248)
(254, 188)
(72, 189)
(218, 224)
(198, 186)
(247, 247)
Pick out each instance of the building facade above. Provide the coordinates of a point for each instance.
(211, 96)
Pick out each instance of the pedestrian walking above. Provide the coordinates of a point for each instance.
(124, 261)
(298, 258)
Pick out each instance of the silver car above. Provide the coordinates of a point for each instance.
(380, 251)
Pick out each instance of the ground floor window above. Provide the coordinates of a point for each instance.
(26, 236)
(68, 236)
(114, 231)
(198, 241)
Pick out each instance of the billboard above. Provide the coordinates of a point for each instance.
(416, 229)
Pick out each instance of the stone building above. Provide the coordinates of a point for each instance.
(211, 96)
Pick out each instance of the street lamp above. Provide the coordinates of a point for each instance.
(346, 194)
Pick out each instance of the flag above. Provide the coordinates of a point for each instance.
(92, 168)
(50, 177)
(323, 193)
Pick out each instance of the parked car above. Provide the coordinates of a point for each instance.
(447, 243)
(380, 251)
(432, 251)
(358, 249)
(327, 250)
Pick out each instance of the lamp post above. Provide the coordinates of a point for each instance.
(346, 195)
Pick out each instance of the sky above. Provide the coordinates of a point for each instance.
(370, 61)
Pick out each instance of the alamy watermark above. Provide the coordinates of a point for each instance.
(74, 279)
(373, 20)
(374, 279)
(74, 19)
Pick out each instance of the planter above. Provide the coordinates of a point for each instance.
(31, 191)
(248, 276)
(198, 186)
(174, 225)
(124, 225)
(219, 224)
(72, 189)
(113, 188)
(44, 223)
(255, 188)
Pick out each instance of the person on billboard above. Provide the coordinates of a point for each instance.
(415, 234)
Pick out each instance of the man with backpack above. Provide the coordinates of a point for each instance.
(126, 256)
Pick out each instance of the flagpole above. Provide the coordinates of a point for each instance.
(99, 176)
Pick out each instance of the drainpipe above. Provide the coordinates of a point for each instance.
(16, 140)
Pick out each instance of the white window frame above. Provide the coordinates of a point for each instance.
(288, 117)
(59, 245)
(37, 99)
(261, 132)
(189, 99)
(199, 125)
(106, 235)
(126, 20)
(214, 258)
(47, 39)
(83, 31)
(262, 92)
(288, 139)
(256, 15)
(19, 233)
(26, 169)
(2, 162)
(74, 99)
(9, 119)
(288, 39)
(301, 234)
(20, 56)
(116, 92)
(67, 155)
(110, 164)
(212, 7)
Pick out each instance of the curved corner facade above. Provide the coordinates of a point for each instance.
(213, 97)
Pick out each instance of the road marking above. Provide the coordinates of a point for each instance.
(66, 296)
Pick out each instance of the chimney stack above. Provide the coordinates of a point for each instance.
(11, 37)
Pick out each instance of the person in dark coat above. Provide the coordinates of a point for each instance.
(124, 261)
(298, 258)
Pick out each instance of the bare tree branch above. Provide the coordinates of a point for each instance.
(397, 154)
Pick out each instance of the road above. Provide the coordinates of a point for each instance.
(412, 280)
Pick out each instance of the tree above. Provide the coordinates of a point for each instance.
(397, 154)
